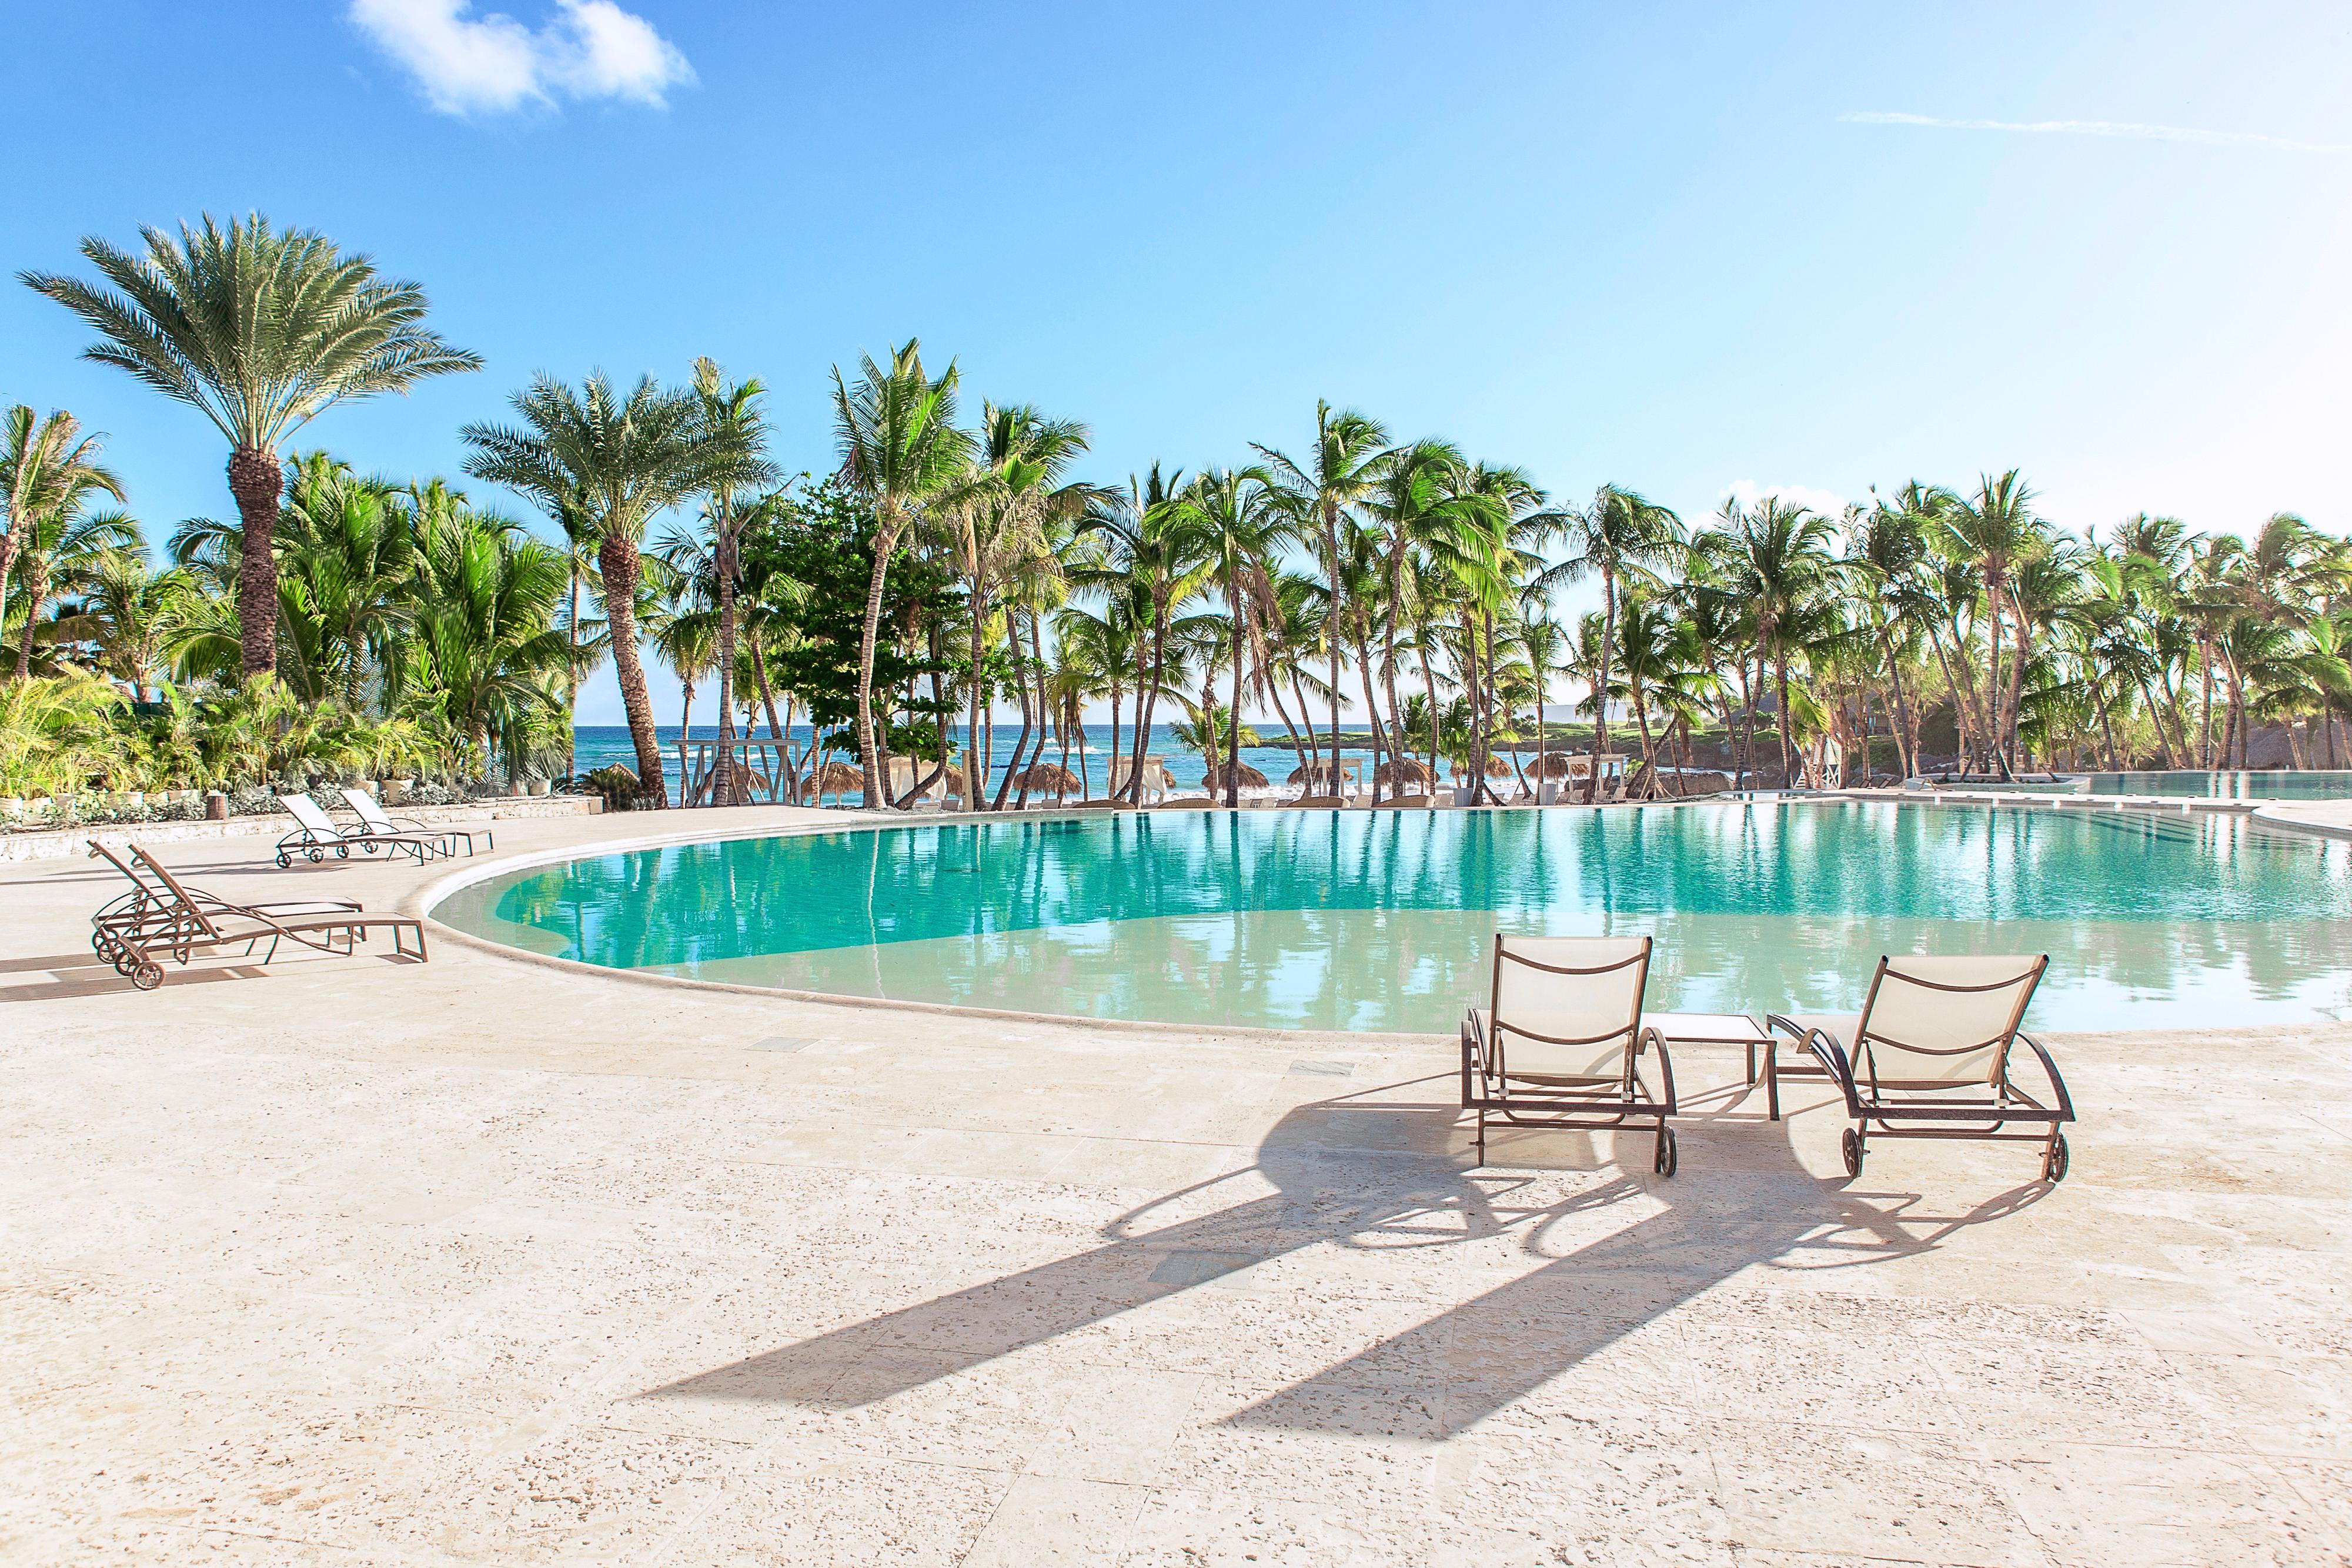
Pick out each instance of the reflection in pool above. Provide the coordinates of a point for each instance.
(1380, 920)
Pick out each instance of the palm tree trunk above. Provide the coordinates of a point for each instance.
(1788, 753)
(1021, 689)
(617, 558)
(872, 753)
(254, 478)
(36, 589)
(685, 735)
(726, 647)
(572, 677)
(1601, 693)
(1429, 688)
(978, 604)
(1331, 627)
(1371, 706)
(1649, 749)
(1234, 733)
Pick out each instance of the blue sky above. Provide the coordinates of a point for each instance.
(1651, 246)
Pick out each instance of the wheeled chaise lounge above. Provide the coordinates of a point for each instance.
(1560, 1041)
(315, 833)
(160, 919)
(1928, 1057)
(374, 818)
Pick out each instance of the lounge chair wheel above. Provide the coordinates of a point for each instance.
(147, 977)
(1668, 1157)
(282, 861)
(2053, 1166)
(1850, 1145)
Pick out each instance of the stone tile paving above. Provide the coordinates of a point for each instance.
(487, 1261)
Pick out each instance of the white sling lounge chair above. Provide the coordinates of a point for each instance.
(1560, 1041)
(1928, 1057)
(315, 833)
(374, 819)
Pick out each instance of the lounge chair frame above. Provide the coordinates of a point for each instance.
(164, 919)
(1877, 1111)
(1489, 1089)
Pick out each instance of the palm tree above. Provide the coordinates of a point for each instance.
(1000, 525)
(1619, 538)
(1237, 523)
(1781, 564)
(1336, 477)
(40, 463)
(125, 610)
(1151, 563)
(622, 461)
(1543, 643)
(733, 410)
(485, 651)
(61, 541)
(259, 330)
(1995, 534)
(901, 451)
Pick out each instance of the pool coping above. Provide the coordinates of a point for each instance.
(421, 902)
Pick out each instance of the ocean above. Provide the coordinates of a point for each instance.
(597, 745)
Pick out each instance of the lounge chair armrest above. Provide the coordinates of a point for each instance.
(2057, 1084)
(1651, 1039)
(1829, 1053)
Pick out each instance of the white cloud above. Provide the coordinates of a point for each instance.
(2103, 128)
(588, 50)
(1747, 492)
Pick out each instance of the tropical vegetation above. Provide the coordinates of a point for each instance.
(1367, 592)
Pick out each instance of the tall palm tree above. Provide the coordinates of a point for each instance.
(1001, 525)
(259, 330)
(1619, 537)
(41, 461)
(1237, 523)
(622, 461)
(1781, 564)
(1994, 533)
(901, 451)
(1151, 563)
(1337, 474)
(734, 409)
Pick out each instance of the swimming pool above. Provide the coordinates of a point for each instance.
(2270, 784)
(1382, 920)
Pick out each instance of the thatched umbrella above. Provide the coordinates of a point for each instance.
(1047, 779)
(1315, 772)
(1557, 765)
(1404, 770)
(839, 779)
(1248, 777)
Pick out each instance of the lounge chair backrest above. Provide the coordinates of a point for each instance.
(1569, 1009)
(118, 862)
(371, 815)
(1943, 1022)
(187, 907)
(305, 810)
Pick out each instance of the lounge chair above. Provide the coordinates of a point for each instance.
(373, 818)
(1928, 1057)
(119, 928)
(1560, 1041)
(1316, 803)
(315, 833)
(173, 920)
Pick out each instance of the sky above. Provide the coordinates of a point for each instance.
(1697, 250)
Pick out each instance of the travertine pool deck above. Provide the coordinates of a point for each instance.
(483, 1260)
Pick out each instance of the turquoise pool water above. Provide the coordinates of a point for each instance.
(1382, 920)
(2287, 784)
